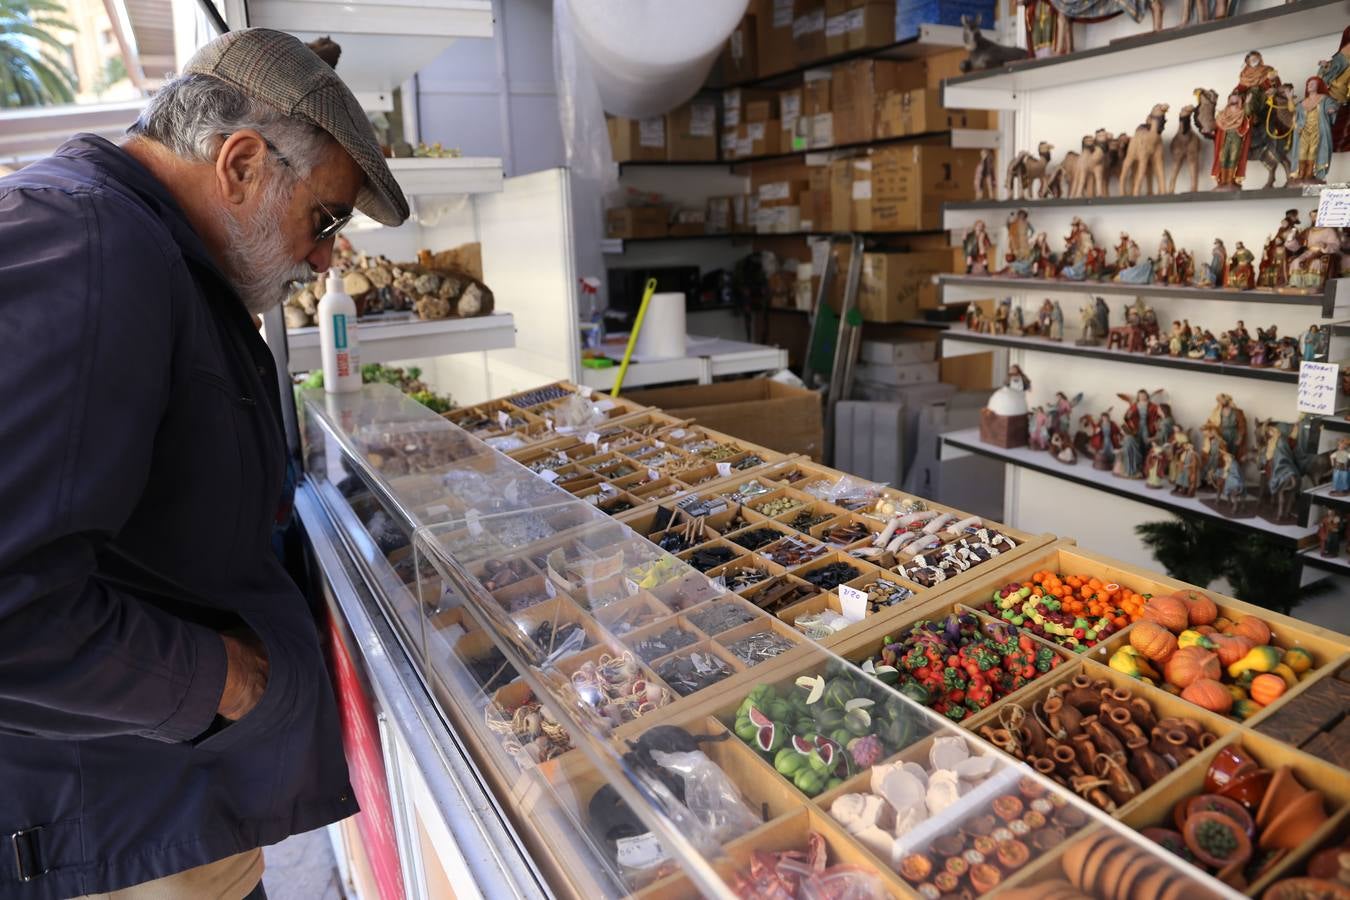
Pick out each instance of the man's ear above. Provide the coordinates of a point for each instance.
(240, 164)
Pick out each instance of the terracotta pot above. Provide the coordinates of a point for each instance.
(1204, 820)
(1221, 804)
(1142, 713)
(1284, 789)
(1103, 739)
(1065, 721)
(1249, 789)
(1166, 838)
(1232, 875)
(1148, 767)
(1084, 750)
(1230, 762)
(1296, 823)
(1081, 696)
(1302, 888)
(1326, 863)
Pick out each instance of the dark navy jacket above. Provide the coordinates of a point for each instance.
(141, 466)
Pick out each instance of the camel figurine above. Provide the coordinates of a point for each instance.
(1145, 165)
(1027, 170)
(1185, 149)
(1090, 177)
(1116, 148)
(1061, 181)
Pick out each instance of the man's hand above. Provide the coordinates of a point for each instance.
(245, 675)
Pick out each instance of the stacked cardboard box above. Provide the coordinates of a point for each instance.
(808, 31)
(920, 111)
(637, 139)
(855, 89)
(817, 108)
(910, 184)
(636, 222)
(774, 45)
(740, 58)
(857, 24)
(691, 132)
(889, 290)
(779, 190)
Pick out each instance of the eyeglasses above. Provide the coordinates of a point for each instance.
(335, 223)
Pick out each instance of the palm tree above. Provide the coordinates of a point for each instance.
(27, 76)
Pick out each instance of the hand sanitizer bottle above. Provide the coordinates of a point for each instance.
(337, 339)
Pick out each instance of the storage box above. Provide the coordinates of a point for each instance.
(637, 139)
(869, 25)
(898, 352)
(889, 290)
(773, 36)
(636, 222)
(854, 91)
(757, 410)
(740, 56)
(897, 375)
(920, 111)
(758, 138)
(816, 91)
(861, 192)
(822, 132)
(789, 111)
(734, 102)
(841, 194)
(721, 215)
(691, 132)
(910, 14)
(759, 109)
(808, 31)
(910, 184)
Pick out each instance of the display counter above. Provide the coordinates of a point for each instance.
(555, 604)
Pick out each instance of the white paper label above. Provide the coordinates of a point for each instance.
(503, 419)
(702, 120)
(853, 603)
(836, 25)
(808, 24)
(790, 107)
(816, 75)
(822, 130)
(452, 634)
(678, 433)
(549, 475)
(862, 190)
(1317, 382)
(776, 190)
(592, 438)
(1333, 208)
(782, 13)
(745, 147)
(652, 132)
(585, 391)
(471, 520)
(855, 19)
(653, 475)
(641, 852)
(660, 445)
(723, 469)
(738, 45)
(604, 406)
(755, 131)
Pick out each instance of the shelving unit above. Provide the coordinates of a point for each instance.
(616, 245)
(1035, 203)
(1068, 348)
(707, 359)
(1083, 473)
(1002, 88)
(1339, 565)
(426, 177)
(409, 338)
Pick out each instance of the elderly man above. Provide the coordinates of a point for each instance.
(164, 704)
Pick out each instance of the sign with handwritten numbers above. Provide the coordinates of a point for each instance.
(1317, 383)
(1333, 207)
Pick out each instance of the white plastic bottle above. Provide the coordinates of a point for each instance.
(337, 339)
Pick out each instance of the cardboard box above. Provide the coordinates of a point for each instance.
(760, 110)
(774, 47)
(758, 138)
(910, 184)
(739, 58)
(636, 222)
(818, 186)
(637, 139)
(899, 352)
(796, 138)
(806, 210)
(808, 31)
(822, 132)
(889, 289)
(870, 25)
(691, 132)
(816, 91)
(790, 108)
(721, 215)
(920, 111)
(835, 7)
(734, 102)
(898, 374)
(854, 91)
(758, 410)
(861, 192)
(910, 14)
(841, 194)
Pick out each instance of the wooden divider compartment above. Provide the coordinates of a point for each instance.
(801, 500)
(764, 623)
(752, 594)
(632, 639)
(686, 591)
(793, 544)
(738, 552)
(745, 562)
(863, 568)
(1162, 703)
(747, 608)
(873, 527)
(1312, 773)
(561, 610)
(706, 647)
(817, 510)
(763, 523)
(641, 610)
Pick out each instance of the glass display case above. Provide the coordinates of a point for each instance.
(649, 732)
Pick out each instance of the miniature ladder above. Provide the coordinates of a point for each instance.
(844, 351)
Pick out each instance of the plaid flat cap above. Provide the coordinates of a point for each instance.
(276, 68)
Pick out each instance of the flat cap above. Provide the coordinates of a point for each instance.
(277, 69)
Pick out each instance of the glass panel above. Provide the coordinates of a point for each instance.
(660, 735)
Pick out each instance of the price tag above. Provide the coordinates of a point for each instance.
(471, 520)
(641, 852)
(1333, 207)
(604, 448)
(592, 438)
(782, 13)
(853, 602)
(604, 406)
(630, 586)
(653, 475)
(1317, 382)
(678, 433)
(652, 132)
(585, 391)
(723, 469)
(503, 419)
(549, 475)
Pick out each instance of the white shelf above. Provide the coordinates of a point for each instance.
(1084, 474)
(384, 42)
(410, 339)
(708, 359)
(1313, 557)
(1232, 36)
(423, 176)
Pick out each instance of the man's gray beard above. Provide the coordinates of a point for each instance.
(256, 260)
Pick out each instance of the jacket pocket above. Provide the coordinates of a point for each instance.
(221, 383)
(278, 704)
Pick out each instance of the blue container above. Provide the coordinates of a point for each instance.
(910, 14)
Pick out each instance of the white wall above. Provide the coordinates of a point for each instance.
(1062, 115)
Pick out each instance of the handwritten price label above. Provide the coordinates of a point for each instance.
(1333, 207)
(1317, 382)
(852, 603)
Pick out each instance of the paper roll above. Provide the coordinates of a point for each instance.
(662, 334)
(649, 56)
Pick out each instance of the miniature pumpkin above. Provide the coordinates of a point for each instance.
(1267, 688)
(1245, 709)
(1152, 640)
(1209, 694)
(1258, 660)
(1169, 612)
(1190, 664)
(1230, 648)
(1252, 628)
(1207, 629)
(1298, 659)
(1223, 623)
(1201, 609)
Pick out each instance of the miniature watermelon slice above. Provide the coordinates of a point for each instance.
(764, 738)
(758, 718)
(801, 744)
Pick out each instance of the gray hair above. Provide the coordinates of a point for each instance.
(191, 114)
